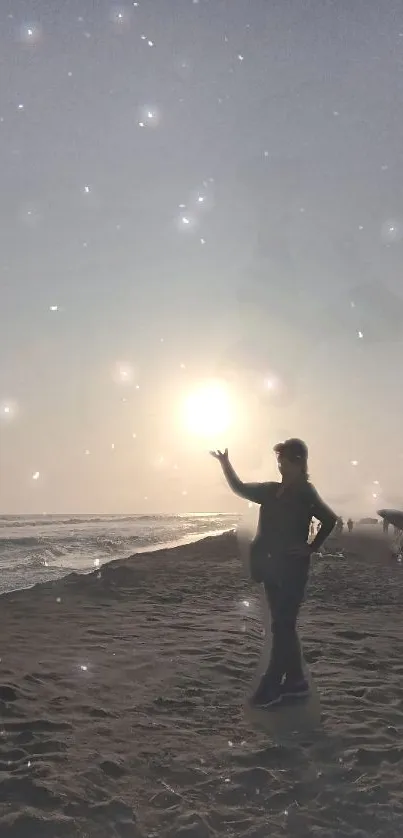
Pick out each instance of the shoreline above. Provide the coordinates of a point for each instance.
(168, 549)
(165, 551)
(153, 548)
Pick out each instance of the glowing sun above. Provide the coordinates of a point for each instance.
(208, 411)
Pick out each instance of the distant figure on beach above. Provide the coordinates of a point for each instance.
(350, 525)
(280, 559)
(339, 526)
(385, 526)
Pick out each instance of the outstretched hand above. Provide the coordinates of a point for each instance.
(221, 456)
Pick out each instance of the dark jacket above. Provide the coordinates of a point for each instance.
(285, 514)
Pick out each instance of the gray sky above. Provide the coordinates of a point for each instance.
(201, 191)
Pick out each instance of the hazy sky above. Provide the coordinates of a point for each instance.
(197, 191)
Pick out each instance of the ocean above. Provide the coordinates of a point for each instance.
(42, 548)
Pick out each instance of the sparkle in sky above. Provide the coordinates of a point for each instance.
(197, 191)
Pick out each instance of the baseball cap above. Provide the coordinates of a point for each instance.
(294, 449)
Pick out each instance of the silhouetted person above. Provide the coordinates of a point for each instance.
(280, 558)
(350, 525)
(385, 525)
(339, 526)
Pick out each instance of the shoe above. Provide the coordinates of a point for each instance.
(267, 693)
(295, 689)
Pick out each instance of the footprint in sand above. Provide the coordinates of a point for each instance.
(348, 634)
(112, 769)
(8, 694)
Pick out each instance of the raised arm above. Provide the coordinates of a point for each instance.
(327, 518)
(253, 492)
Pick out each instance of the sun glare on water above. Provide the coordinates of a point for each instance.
(208, 411)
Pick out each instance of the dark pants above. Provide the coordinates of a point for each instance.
(284, 596)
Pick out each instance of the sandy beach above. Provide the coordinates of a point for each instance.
(121, 698)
